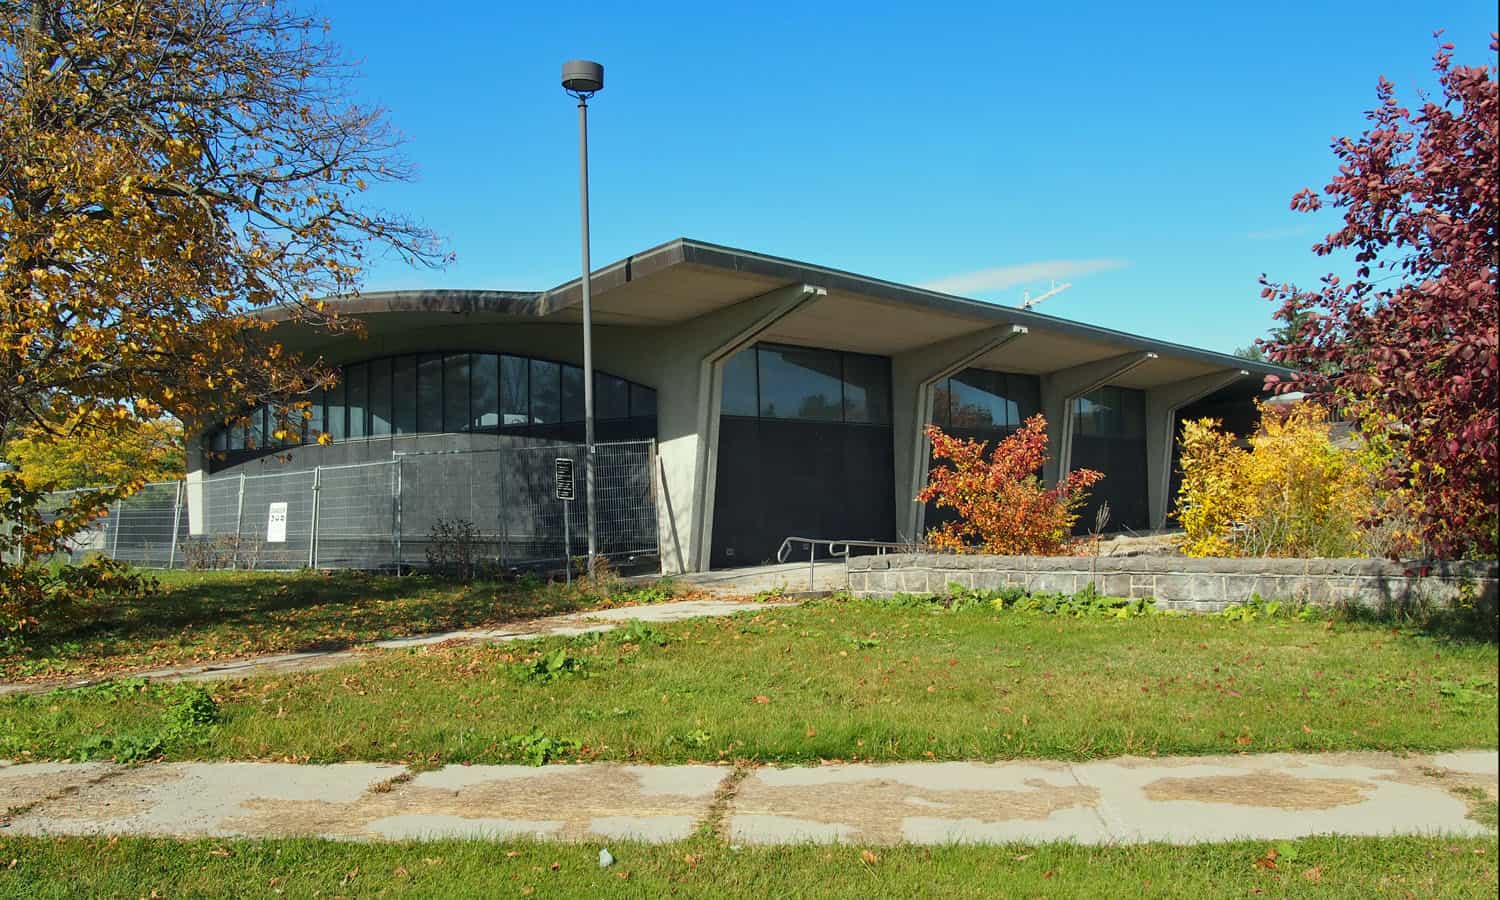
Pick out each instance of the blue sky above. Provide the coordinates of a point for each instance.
(1145, 153)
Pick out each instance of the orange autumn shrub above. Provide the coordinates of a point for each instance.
(1002, 505)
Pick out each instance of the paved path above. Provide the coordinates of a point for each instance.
(791, 579)
(1113, 801)
(569, 624)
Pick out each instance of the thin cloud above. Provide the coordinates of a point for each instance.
(1277, 234)
(1025, 273)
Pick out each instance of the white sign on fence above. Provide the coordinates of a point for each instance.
(276, 524)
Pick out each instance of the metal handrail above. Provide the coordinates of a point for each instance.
(837, 547)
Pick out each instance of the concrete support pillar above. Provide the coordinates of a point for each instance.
(915, 375)
(1162, 405)
(689, 376)
(196, 466)
(1061, 388)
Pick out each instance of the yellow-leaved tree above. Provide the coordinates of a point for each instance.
(169, 171)
(63, 458)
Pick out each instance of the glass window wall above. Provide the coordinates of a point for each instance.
(446, 392)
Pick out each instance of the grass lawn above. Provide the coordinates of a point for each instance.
(1314, 867)
(845, 680)
(213, 615)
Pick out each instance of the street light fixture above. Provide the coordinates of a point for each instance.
(583, 78)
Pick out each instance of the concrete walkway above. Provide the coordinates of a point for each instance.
(793, 579)
(1114, 801)
(311, 661)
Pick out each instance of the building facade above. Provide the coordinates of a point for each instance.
(785, 398)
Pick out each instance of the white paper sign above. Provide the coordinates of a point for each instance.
(276, 524)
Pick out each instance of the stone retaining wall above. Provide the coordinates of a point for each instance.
(1193, 585)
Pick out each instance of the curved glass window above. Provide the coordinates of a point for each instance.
(434, 393)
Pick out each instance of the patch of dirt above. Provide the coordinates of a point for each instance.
(574, 795)
(877, 807)
(1274, 789)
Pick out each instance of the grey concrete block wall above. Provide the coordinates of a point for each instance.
(1192, 585)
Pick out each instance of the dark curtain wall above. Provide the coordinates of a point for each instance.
(1109, 435)
(805, 448)
(450, 393)
(1233, 406)
(981, 405)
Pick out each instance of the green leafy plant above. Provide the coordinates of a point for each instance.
(641, 634)
(538, 749)
(697, 739)
(549, 667)
(660, 591)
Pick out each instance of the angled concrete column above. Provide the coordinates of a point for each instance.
(1061, 388)
(196, 468)
(915, 375)
(1162, 404)
(689, 378)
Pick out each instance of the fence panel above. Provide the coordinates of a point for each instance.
(381, 514)
(356, 517)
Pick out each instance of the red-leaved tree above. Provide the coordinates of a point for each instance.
(1408, 345)
(1001, 504)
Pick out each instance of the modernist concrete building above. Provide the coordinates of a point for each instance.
(785, 398)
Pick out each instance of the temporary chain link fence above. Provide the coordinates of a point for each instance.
(385, 515)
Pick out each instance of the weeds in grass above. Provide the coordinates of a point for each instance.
(697, 739)
(549, 667)
(640, 634)
(662, 590)
(1087, 602)
(188, 720)
(538, 749)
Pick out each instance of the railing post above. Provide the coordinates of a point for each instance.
(176, 523)
(312, 533)
(114, 543)
(812, 553)
(396, 516)
(239, 522)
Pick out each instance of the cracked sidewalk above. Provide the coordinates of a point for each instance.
(1127, 800)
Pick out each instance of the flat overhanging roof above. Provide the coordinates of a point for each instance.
(683, 279)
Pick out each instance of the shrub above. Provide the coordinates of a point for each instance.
(33, 596)
(1293, 493)
(1002, 506)
(452, 549)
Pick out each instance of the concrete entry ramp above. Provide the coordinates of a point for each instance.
(784, 579)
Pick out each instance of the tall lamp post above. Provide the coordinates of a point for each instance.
(583, 78)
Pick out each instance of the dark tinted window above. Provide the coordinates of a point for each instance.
(546, 392)
(357, 387)
(514, 395)
(484, 398)
(430, 393)
(867, 389)
(456, 392)
(642, 401)
(800, 383)
(336, 421)
(380, 397)
(404, 394)
(315, 415)
(611, 397)
(740, 397)
(1110, 412)
(572, 394)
